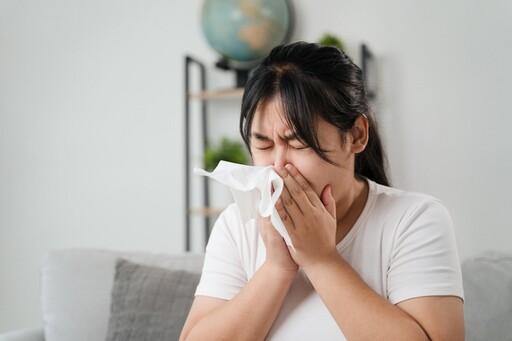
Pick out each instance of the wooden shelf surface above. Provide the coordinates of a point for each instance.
(217, 94)
(206, 211)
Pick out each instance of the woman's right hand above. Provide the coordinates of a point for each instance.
(278, 254)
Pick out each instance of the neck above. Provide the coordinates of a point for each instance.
(351, 208)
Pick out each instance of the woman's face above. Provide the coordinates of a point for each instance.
(274, 144)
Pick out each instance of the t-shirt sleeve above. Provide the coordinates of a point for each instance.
(223, 275)
(424, 260)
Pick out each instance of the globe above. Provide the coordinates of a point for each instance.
(244, 31)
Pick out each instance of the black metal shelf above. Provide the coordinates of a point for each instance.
(202, 95)
(189, 63)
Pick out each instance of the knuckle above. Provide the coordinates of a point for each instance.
(288, 201)
(284, 217)
(304, 185)
(297, 191)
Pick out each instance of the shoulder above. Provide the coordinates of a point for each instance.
(231, 232)
(410, 220)
(233, 254)
(420, 245)
(229, 216)
(402, 198)
(406, 206)
(228, 225)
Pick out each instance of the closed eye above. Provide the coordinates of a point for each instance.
(261, 148)
(261, 142)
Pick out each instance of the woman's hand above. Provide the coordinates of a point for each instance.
(309, 220)
(278, 254)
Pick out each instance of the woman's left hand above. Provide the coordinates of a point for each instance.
(309, 220)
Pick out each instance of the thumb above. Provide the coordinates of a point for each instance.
(328, 201)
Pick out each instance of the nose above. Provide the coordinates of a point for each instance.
(280, 156)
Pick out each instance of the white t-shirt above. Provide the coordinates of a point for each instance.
(402, 246)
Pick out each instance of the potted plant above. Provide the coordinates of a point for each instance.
(228, 150)
(331, 40)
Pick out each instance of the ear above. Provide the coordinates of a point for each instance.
(359, 134)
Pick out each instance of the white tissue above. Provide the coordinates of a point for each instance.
(251, 187)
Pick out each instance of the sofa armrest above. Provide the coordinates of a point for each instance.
(25, 334)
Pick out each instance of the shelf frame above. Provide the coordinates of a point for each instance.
(189, 63)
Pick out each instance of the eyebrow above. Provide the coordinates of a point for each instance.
(261, 137)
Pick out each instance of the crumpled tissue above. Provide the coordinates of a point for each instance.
(251, 187)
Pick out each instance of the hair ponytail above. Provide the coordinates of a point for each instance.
(371, 162)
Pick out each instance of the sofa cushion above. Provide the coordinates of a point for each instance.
(488, 297)
(77, 285)
(149, 303)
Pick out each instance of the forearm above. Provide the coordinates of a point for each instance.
(359, 311)
(251, 313)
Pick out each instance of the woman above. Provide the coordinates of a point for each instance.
(370, 262)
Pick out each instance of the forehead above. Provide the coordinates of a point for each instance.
(269, 115)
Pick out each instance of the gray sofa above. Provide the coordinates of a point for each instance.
(78, 287)
(79, 301)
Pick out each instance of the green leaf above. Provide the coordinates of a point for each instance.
(331, 40)
(228, 150)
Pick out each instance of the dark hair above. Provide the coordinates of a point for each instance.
(315, 82)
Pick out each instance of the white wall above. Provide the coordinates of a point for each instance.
(91, 107)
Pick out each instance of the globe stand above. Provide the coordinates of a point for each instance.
(242, 75)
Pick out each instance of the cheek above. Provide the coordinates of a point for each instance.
(262, 159)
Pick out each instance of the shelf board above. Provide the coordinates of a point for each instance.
(205, 211)
(217, 94)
